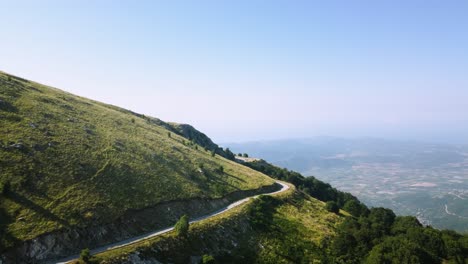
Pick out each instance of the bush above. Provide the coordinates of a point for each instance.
(182, 226)
(331, 206)
(6, 188)
(85, 255)
(208, 259)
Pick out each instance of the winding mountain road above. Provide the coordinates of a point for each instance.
(284, 187)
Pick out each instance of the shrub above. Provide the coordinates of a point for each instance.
(182, 226)
(331, 206)
(208, 259)
(85, 255)
(6, 188)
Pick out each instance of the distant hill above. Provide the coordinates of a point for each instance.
(426, 180)
(68, 163)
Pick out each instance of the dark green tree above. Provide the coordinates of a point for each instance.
(331, 206)
(6, 188)
(399, 250)
(229, 154)
(353, 207)
(182, 226)
(85, 255)
(403, 223)
(245, 155)
(381, 220)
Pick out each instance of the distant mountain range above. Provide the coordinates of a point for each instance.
(427, 180)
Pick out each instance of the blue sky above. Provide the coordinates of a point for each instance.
(249, 70)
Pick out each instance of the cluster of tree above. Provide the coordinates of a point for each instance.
(312, 186)
(373, 235)
(378, 236)
(261, 212)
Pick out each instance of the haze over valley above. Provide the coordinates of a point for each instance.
(427, 180)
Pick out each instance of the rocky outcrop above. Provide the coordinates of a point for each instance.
(68, 242)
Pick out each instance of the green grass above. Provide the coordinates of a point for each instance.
(78, 161)
(298, 227)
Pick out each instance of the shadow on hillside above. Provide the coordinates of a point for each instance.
(7, 239)
(235, 177)
(214, 177)
(37, 208)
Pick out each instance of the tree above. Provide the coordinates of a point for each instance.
(331, 206)
(85, 255)
(399, 250)
(6, 188)
(381, 220)
(402, 224)
(182, 226)
(208, 259)
(245, 155)
(229, 154)
(353, 207)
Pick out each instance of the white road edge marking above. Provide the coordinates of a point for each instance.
(136, 239)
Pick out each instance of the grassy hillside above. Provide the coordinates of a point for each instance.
(290, 228)
(69, 161)
(296, 228)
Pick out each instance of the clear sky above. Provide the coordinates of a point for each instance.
(248, 70)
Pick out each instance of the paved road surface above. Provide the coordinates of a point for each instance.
(132, 240)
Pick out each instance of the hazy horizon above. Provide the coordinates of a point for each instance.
(256, 70)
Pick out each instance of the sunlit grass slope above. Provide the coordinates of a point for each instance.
(67, 160)
(288, 228)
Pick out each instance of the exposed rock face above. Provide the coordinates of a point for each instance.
(232, 237)
(68, 242)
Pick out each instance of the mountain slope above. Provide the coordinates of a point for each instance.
(67, 161)
(286, 228)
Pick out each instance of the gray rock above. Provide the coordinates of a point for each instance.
(18, 145)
